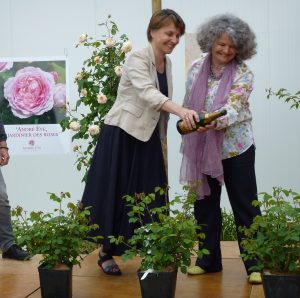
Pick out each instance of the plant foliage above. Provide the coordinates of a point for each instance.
(284, 94)
(228, 232)
(60, 236)
(97, 85)
(274, 237)
(168, 241)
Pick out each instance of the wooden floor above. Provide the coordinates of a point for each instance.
(20, 280)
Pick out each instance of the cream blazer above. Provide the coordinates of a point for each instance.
(137, 106)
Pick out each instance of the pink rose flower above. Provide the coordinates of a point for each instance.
(5, 66)
(59, 96)
(93, 130)
(30, 92)
(74, 125)
(101, 98)
(97, 60)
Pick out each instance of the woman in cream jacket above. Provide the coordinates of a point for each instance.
(128, 158)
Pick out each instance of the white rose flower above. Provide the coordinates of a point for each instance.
(126, 47)
(82, 38)
(74, 125)
(101, 98)
(83, 92)
(78, 76)
(93, 130)
(118, 71)
(97, 60)
(110, 42)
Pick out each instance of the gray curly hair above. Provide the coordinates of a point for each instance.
(240, 32)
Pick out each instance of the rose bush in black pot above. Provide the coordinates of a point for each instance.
(274, 240)
(164, 244)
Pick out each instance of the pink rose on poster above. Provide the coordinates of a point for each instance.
(30, 92)
(59, 95)
(5, 66)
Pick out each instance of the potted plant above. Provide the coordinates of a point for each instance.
(164, 244)
(60, 237)
(274, 240)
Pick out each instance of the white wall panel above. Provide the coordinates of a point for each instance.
(284, 41)
(51, 28)
(5, 25)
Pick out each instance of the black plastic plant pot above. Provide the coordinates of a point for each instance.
(278, 286)
(55, 283)
(158, 284)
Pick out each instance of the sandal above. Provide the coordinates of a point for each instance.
(112, 269)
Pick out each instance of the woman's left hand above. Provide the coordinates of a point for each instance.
(207, 127)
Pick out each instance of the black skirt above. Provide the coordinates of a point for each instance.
(121, 165)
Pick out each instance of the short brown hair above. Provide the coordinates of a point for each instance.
(164, 17)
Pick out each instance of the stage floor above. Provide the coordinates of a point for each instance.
(20, 279)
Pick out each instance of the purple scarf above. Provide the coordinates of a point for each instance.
(202, 152)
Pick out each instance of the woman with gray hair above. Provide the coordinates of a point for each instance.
(224, 150)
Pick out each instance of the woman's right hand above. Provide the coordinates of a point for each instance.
(189, 117)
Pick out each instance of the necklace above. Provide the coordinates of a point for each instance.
(216, 74)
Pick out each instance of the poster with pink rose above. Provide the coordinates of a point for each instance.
(33, 101)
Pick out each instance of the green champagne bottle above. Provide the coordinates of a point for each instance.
(205, 118)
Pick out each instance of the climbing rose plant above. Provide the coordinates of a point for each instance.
(97, 84)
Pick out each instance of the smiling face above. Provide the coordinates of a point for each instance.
(223, 50)
(165, 39)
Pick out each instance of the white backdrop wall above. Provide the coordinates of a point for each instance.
(31, 28)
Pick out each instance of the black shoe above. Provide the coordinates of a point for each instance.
(112, 269)
(17, 253)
